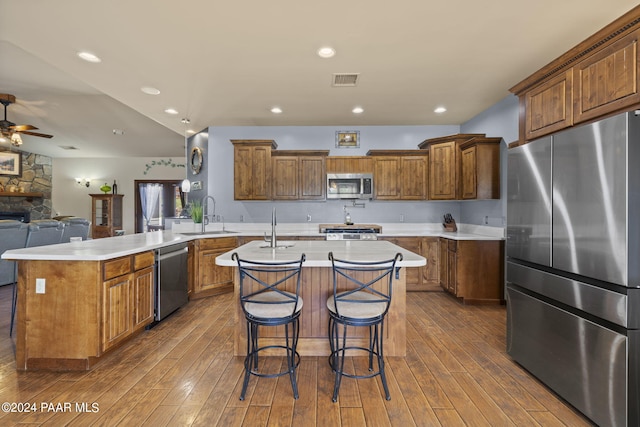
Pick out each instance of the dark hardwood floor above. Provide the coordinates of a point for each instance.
(182, 372)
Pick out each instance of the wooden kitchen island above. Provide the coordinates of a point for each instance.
(79, 300)
(316, 286)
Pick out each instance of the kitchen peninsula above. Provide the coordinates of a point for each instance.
(78, 300)
(317, 285)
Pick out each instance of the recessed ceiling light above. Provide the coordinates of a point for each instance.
(276, 110)
(326, 52)
(150, 90)
(357, 110)
(118, 132)
(191, 131)
(440, 110)
(89, 57)
(171, 111)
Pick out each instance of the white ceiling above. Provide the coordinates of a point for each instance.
(227, 63)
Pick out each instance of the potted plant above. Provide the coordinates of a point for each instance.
(195, 210)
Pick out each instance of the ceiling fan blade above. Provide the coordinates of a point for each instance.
(22, 128)
(42, 135)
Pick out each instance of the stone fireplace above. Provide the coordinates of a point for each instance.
(35, 178)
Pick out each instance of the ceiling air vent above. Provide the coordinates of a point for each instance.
(345, 79)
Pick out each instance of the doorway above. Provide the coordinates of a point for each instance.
(170, 203)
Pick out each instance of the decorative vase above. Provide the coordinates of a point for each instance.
(105, 188)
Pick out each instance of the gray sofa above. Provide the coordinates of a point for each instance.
(13, 235)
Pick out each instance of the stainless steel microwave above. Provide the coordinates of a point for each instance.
(349, 186)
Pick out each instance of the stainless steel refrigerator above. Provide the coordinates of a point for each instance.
(573, 265)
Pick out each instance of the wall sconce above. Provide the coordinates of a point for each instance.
(83, 181)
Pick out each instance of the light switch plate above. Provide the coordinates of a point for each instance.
(40, 286)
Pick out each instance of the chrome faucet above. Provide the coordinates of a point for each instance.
(205, 217)
(274, 241)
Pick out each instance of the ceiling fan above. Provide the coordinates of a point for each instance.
(10, 130)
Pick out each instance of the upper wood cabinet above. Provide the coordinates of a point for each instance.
(252, 169)
(349, 164)
(607, 80)
(299, 175)
(313, 177)
(285, 178)
(480, 169)
(444, 170)
(400, 174)
(596, 78)
(549, 106)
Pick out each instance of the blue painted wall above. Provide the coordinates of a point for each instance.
(499, 120)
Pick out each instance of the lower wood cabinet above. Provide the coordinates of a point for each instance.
(209, 278)
(127, 297)
(420, 278)
(473, 270)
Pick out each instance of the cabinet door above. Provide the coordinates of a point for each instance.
(414, 275)
(607, 81)
(442, 171)
(116, 306)
(468, 173)
(242, 172)
(312, 178)
(285, 178)
(549, 106)
(387, 178)
(261, 173)
(413, 173)
(443, 261)
(209, 277)
(430, 276)
(212, 276)
(142, 298)
(452, 285)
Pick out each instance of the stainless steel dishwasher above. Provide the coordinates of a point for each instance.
(171, 290)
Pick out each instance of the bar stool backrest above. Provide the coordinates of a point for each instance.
(362, 290)
(270, 291)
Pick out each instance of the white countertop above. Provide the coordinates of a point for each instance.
(114, 247)
(465, 231)
(98, 249)
(317, 252)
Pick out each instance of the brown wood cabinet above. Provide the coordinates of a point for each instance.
(386, 178)
(598, 77)
(480, 169)
(444, 169)
(106, 215)
(285, 178)
(299, 175)
(473, 270)
(400, 174)
(209, 278)
(607, 80)
(127, 297)
(423, 278)
(349, 164)
(252, 169)
(549, 106)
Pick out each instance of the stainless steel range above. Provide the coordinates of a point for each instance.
(350, 232)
